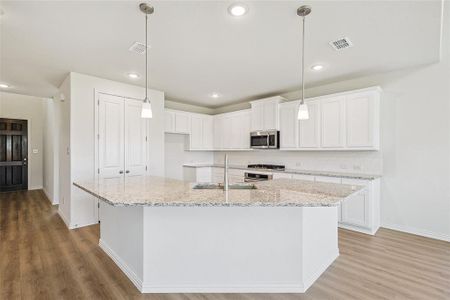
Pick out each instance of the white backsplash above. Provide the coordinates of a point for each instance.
(365, 162)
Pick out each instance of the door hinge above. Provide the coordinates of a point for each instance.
(145, 138)
(98, 204)
(145, 168)
(98, 101)
(98, 136)
(98, 171)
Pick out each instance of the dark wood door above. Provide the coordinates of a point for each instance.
(13, 155)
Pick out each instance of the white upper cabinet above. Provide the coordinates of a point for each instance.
(265, 114)
(344, 121)
(362, 120)
(201, 137)
(288, 125)
(309, 130)
(332, 117)
(232, 130)
(177, 121)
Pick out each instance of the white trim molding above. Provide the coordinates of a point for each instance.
(417, 231)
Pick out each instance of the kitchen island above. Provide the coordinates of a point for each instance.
(168, 237)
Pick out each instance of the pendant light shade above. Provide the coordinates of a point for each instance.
(146, 111)
(303, 113)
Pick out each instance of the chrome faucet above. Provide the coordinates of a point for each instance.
(225, 173)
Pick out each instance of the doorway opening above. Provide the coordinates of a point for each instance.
(13, 155)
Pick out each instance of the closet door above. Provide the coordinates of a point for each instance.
(110, 136)
(135, 139)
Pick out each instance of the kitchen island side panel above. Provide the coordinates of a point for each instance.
(229, 249)
(121, 237)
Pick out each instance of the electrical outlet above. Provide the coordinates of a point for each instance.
(298, 164)
(343, 166)
(357, 167)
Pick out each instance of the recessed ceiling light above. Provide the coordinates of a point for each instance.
(238, 9)
(133, 75)
(215, 95)
(317, 67)
(4, 86)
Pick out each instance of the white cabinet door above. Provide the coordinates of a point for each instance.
(332, 119)
(208, 132)
(182, 122)
(356, 208)
(135, 139)
(308, 130)
(218, 132)
(196, 138)
(270, 115)
(244, 132)
(169, 121)
(257, 116)
(360, 120)
(288, 125)
(110, 136)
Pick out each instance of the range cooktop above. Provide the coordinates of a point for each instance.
(267, 167)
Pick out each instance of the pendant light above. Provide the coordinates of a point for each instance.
(303, 113)
(146, 105)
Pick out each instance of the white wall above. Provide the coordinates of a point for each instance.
(51, 149)
(176, 156)
(62, 117)
(82, 138)
(15, 106)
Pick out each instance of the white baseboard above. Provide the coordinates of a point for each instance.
(416, 231)
(267, 288)
(50, 198)
(122, 265)
(358, 229)
(319, 271)
(37, 187)
(65, 220)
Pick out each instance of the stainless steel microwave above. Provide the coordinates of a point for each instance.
(269, 139)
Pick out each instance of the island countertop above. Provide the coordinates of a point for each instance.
(159, 191)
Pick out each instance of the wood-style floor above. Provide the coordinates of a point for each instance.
(41, 259)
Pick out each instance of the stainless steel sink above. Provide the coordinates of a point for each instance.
(220, 186)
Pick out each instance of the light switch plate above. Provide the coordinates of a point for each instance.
(35, 151)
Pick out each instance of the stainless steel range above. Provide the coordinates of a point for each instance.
(260, 175)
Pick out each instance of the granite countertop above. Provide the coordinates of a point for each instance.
(159, 191)
(290, 171)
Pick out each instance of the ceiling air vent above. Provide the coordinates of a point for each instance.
(341, 44)
(138, 48)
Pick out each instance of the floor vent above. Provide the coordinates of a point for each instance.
(138, 48)
(341, 44)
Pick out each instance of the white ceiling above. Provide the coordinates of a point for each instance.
(198, 48)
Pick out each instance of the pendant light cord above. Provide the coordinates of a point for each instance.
(303, 62)
(146, 58)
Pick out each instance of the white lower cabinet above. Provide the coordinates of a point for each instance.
(361, 211)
